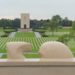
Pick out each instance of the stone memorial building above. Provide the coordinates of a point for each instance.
(25, 22)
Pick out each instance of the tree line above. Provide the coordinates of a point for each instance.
(56, 21)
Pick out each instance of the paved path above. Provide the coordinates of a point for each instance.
(37, 34)
(11, 35)
(1, 54)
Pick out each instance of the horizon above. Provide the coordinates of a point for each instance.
(12, 18)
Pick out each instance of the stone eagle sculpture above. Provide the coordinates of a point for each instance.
(15, 50)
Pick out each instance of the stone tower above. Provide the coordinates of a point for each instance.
(25, 21)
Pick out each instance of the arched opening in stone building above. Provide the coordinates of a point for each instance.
(25, 26)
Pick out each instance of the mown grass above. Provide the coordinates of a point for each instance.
(64, 29)
(31, 55)
(25, 34)
(36, 42)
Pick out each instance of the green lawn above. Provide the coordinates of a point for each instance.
(36, 42)
(64, 29)
(2, 33)
(25, 34)
(56, 34)
(31, 55)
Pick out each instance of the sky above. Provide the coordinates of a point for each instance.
(38, 9)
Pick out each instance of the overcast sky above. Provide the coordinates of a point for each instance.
(38, 9)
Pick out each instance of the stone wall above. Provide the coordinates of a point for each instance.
(38, 67)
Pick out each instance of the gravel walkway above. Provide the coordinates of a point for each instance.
(37, 34)
(11, 35)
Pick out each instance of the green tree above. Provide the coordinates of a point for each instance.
(72, 32)
(5, 23)
(73, 25)
(16, 23)
(66, 22)
(64, 38)
(55, 23)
